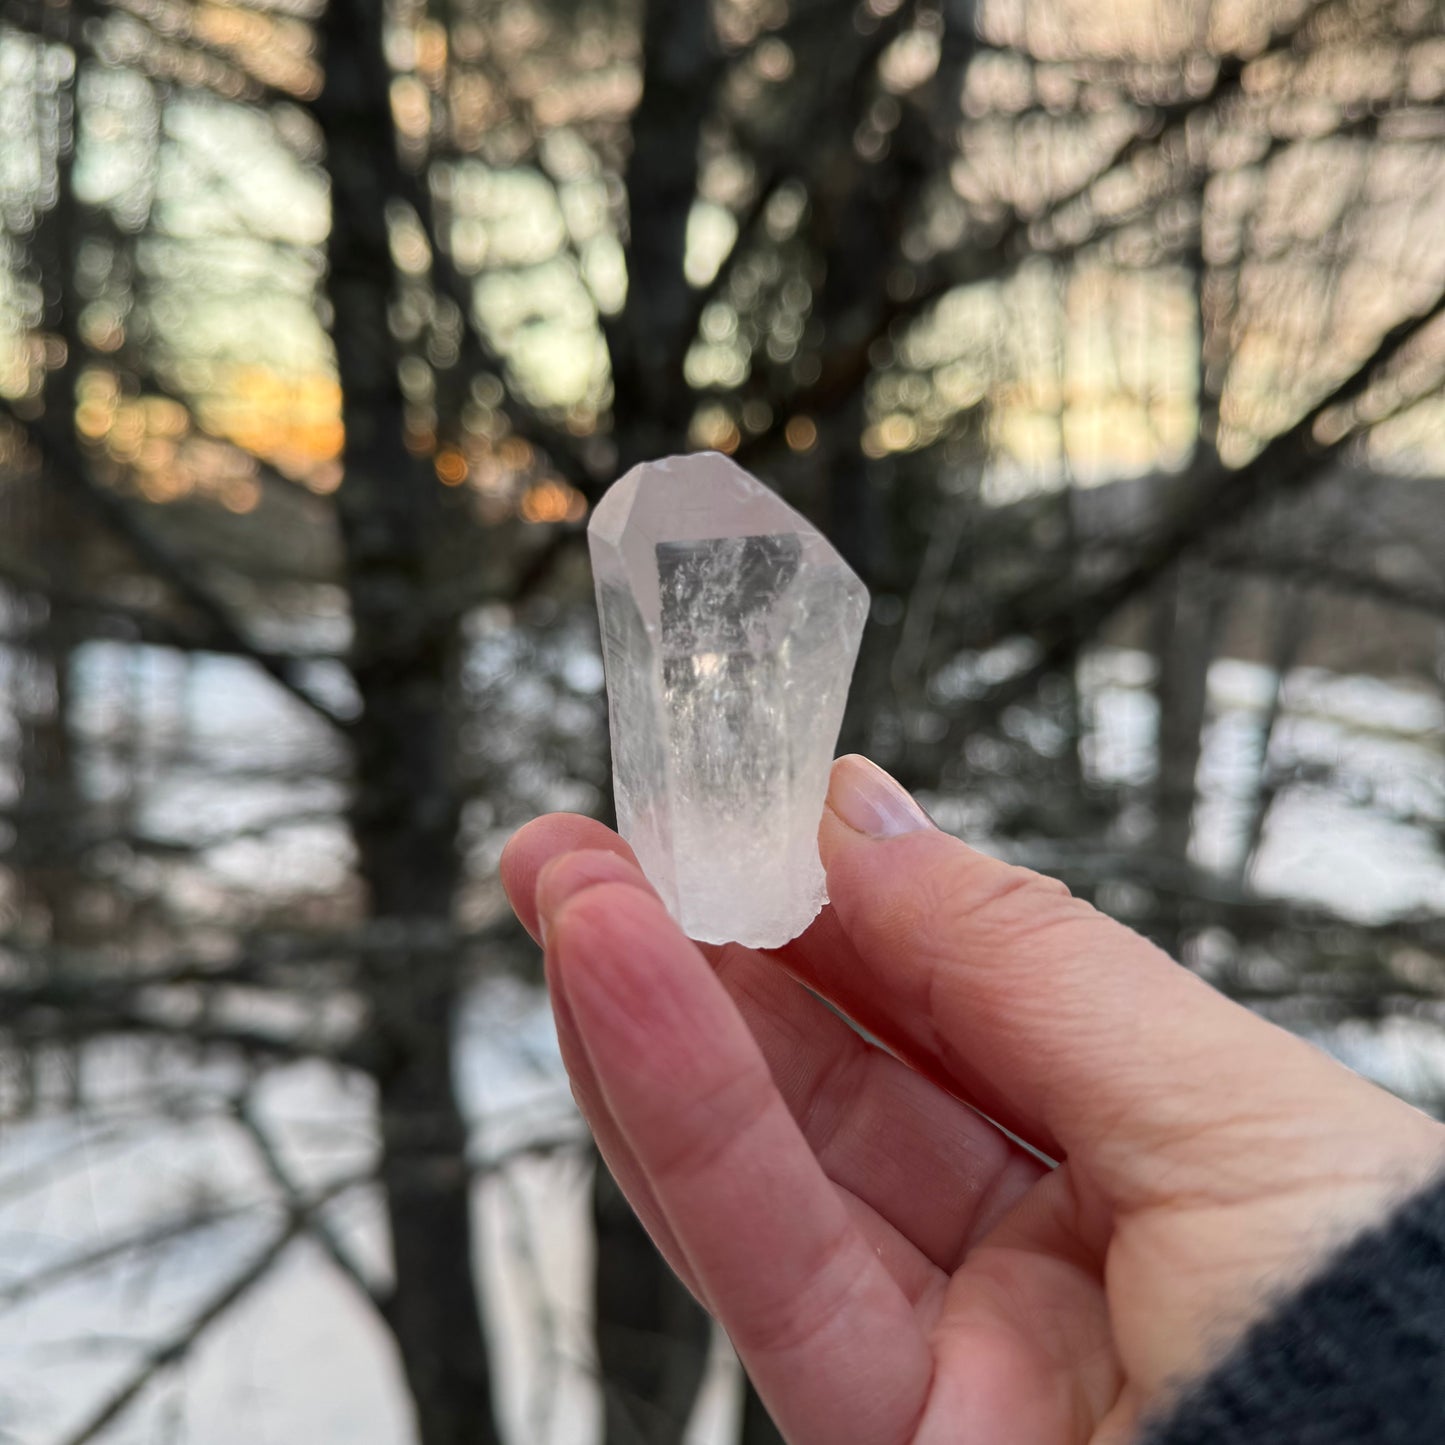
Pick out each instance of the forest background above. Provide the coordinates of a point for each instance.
(1105, 340)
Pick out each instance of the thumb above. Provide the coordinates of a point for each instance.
(1058, 1022)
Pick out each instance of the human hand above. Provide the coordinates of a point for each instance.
(891, 1267)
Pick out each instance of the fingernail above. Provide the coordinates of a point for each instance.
(869, 801)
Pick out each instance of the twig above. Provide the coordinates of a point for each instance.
(1229, 898)
(994, 256)
(51, 1025)
(142, 624)
(1291, 628)
(477, 351)
(1221, 497)
(155, 1235)
(317, 1224)
(71, 472)
(1319, 572)
(175, 1349)
(706, 294)
(149, 843)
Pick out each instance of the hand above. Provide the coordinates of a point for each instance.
(890, 1265)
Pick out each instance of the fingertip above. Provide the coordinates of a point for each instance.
(516, 869)
(607, 908)
(569, 874)
(535, 844)
(610, 945)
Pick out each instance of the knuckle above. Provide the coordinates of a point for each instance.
(789, 1324)
(1000, 900)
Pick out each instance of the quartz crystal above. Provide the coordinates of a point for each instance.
(729, 631)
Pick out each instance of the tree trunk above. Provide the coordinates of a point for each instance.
(47, 808)
(854, 525)
(1186, 624)
(652, 403)
(857, 216)
(50, 806)
(652, 1336)
(1289, 626)
(404, 813)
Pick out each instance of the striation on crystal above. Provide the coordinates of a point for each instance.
(729, 632)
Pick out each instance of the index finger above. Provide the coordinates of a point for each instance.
(827, 1334)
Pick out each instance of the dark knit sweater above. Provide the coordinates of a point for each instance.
(1356, 1357)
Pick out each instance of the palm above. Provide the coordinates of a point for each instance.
(1024, 1338)
(986, 1242)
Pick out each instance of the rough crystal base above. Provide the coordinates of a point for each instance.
(729, 631)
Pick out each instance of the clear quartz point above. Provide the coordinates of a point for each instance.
(729, 631)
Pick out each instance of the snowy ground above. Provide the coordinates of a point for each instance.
(300, 1358)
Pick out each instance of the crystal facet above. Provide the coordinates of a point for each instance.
(729, 631)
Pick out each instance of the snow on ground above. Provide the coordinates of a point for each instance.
(303, 1358)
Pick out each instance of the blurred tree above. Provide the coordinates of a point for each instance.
(1105, 345)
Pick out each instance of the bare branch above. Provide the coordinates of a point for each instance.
(774, 168)
(1061, 620)
(1162, 129)
(152, 1237)
(1229, 901)
(88, 1020)
(1162, 133)
(80, 994)
(175, 1349)
(703, 297)
(317, 1223)
(71, 472)
(163, 57)
(1323, 574)
(137, 624)
(477, 351)
(188, 847)
(150, 384)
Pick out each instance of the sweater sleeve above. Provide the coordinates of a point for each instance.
(1356, 1357)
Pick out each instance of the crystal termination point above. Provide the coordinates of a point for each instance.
(729, 631)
